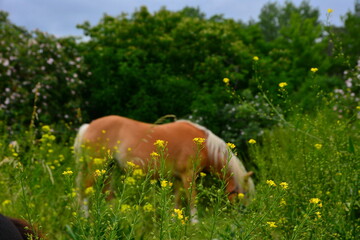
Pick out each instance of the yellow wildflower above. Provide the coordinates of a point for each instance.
(6, 202)
(46, 128)
(89, 190)
(202, 174)
(99, 161)
(318, 214)
(314, 70)
(165, 183)
(284, 185)
(125, 208)
(282, 202)
(99, 173)
(129, 149)
(241, 196)
(272, 224)
(130, 181)
(316, 201)
(103, 131)
(160, 143)
(256, 58)
(226, 81)
(283, 84)
(252, 141)
(271, 183)
(199, 141)
(131, 164)
(69, 172)
(148, 208)
(330, 10)
(154, 154)
(318, 146)
(358, 108)
(179, 213)
(138, 172)
(231, 145)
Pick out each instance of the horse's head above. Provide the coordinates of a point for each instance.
(241, 187)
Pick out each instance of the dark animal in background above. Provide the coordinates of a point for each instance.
(16, 229)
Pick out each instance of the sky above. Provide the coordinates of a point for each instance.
(60, 17)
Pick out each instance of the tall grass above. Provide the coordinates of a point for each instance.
(307, 187)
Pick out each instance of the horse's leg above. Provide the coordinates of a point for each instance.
(177, 193)
(190, 189)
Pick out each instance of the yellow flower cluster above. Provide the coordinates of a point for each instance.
(314, 70)
(330, 10)
(271, 183)
(160, 143)
(68, 172)
(73, 193)
(148, 208)
(252, 141)
(202, 174)
(256, 58)
(154, 154)
(318, 146)
(272, 224)
(125, 208)
(283, 84)
(131, 164)
(226, 81)
(99, 161)
(316, 201)
(46, 128)
(138, 173)
(130, 181)
(47, 137)
(241, 196)
(231, 145)
(284, 185)
(180, 215)
(89, 191)
(6, 202)
(99, 173)
(165, 184)
(199, 141)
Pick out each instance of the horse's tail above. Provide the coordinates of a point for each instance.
(78, 154)
(79, 139)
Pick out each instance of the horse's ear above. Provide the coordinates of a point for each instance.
(248, 175)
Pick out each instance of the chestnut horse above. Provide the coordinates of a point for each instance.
(134, 142)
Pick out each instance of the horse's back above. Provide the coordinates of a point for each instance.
(135, 140)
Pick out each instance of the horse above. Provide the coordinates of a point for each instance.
(134, 142)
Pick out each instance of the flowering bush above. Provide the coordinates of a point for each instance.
(348, 99)
(35, 63)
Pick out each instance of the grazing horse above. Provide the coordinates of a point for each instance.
(124, 134)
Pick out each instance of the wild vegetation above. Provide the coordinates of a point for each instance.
(284, 90)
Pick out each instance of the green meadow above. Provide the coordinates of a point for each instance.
(284, 90)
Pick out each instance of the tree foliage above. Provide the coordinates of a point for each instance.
(147, 65)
